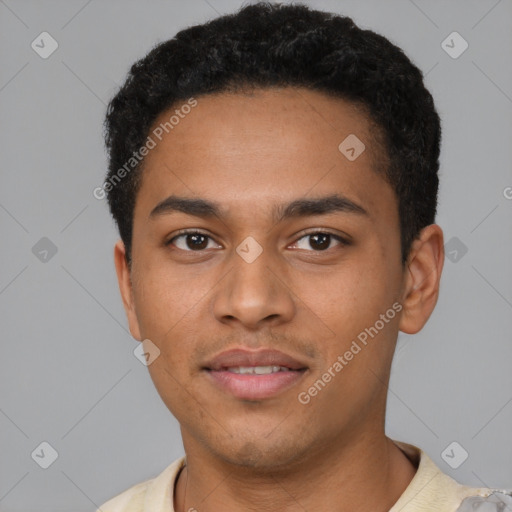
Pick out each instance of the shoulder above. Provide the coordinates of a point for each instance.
(431, 489)
(156, 493)
(131, 500)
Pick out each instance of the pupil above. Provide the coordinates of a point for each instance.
(195, 239)
(321, 245)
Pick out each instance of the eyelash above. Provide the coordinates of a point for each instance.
(342, 241)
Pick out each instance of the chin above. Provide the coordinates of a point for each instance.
(259, 454)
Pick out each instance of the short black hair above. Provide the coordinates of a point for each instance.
(274, 45)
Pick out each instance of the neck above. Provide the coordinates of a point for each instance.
(335, 480)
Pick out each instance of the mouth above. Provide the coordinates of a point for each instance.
(255, 382)
(254, 375)
(257, 370)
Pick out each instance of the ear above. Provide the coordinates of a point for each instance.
(422, 275)
(125, 287)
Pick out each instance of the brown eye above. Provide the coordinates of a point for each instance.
(191, 241)
(319, 241)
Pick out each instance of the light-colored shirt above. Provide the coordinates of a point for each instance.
(430, 490)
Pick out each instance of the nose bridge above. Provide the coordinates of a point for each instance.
(250, 293)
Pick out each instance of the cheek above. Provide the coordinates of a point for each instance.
(349, 298)
(376, 278)
(350, 303)
(164, 300)
(169, 307)
(172, 386)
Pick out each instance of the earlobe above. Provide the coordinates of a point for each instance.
(125, 288)
(422, 277)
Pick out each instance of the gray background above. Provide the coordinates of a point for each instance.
(68, 375)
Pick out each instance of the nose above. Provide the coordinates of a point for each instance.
(254, 294)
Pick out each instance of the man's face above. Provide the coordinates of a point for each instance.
(306, 294)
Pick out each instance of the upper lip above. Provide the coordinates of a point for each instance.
(243, 357)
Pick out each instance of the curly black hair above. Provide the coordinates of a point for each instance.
(274, 45)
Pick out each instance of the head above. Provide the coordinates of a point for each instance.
(300, 154)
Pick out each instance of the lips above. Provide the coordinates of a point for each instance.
(243, 358)
(253, 375)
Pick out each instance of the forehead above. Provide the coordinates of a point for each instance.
(264, 144)
(288, 118)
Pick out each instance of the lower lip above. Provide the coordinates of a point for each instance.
(255, 387)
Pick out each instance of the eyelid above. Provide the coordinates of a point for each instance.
(189, 231)
(345, 238)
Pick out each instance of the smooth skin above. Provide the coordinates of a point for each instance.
(248, 152)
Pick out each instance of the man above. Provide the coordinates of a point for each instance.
(273, 175)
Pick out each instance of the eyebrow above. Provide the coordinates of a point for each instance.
(301, 207)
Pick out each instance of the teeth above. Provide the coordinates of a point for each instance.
(258, 370)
